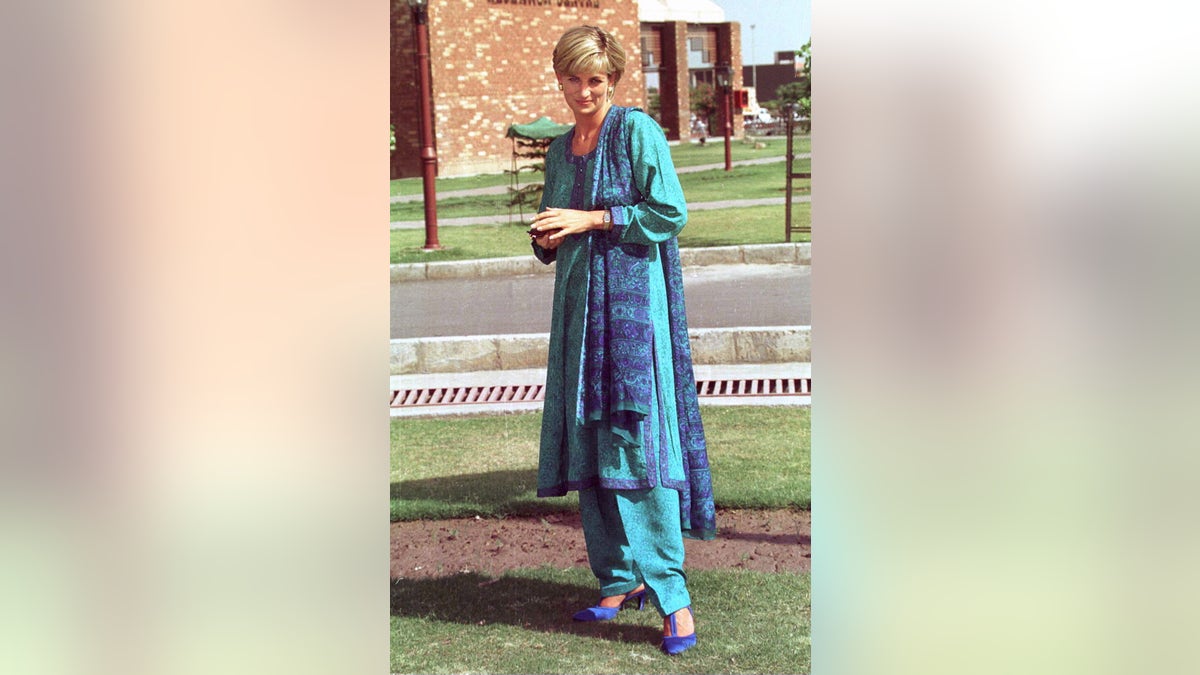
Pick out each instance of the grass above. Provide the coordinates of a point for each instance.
(467, 242)
(487, 465)
(684, 154)
(722, 227)
(760, 456)
(415, 186)
(742, 182)
(519, 623)
(750, 225)
(713, 152)
(457, 207)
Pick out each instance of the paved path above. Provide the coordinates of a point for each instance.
(718, 296)
(474, 192)
(742, 203)
(503, 189)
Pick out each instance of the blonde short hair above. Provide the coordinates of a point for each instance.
(588, 49)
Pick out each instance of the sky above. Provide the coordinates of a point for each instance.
(779, 25)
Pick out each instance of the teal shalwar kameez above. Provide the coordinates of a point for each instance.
(629, 466)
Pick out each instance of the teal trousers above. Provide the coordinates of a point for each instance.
(634, 537)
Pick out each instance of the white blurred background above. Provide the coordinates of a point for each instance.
(194, 472)
(1004, 234)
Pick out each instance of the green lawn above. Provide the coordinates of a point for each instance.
(751, 225)
(759, 458)
(684, 154)
(713, 152)
(747, 622)
(519, 622)
(723, 227)
(469, 242)
(458, 207)
(742, 182)
(415, 186)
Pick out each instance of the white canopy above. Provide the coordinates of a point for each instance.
(691, 11)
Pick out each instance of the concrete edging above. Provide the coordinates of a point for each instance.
(759, 254)
(710, 346)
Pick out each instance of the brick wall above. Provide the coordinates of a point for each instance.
(491, 66)
(675, 85)
(675, 79)
(772, 77)
(406, 160)
(729, 50)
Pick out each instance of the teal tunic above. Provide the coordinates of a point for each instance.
(575, 454)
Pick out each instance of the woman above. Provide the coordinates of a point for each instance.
(621, 422)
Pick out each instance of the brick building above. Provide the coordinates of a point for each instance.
(786, 69)
(490, 63)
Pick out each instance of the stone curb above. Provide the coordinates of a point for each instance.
(794, 253)
(710, 346)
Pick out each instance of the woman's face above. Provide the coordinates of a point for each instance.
(586, 93)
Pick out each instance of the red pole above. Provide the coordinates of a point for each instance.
(728, 126)
(428, 151)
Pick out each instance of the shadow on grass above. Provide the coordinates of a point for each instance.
(532, 604)
(513, 492)
(493, 487)
(788, 539)
(492, 493)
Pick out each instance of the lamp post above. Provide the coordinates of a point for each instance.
(420, 17)
(753, 63)
(724, 73)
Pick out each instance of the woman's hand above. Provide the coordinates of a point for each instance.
(560, 223)
(546, 243)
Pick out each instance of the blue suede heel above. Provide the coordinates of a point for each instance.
(599, 613)
(673, 644)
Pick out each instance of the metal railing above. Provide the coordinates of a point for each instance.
(790, 124)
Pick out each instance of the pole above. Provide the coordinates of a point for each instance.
(753, 63)
(728, 126)
(791, 157)
(428, 151)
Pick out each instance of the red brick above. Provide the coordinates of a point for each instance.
(491, 67)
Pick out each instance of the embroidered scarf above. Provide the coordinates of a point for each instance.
(618, 347)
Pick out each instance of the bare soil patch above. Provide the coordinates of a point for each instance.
(764, 541)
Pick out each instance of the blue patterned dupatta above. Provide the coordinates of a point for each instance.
(618, 343)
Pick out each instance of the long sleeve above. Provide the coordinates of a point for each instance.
(662, 213)
(547, 256)
(544, 255)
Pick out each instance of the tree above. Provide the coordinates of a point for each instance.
(800, 91)
(704, 102)
(792, 92)
(805, 94)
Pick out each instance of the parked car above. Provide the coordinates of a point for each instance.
(763, 116)
(775, 128)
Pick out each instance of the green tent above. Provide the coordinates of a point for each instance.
(529, 151)
(537, 130)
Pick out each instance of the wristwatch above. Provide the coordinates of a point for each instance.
(607, 220)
